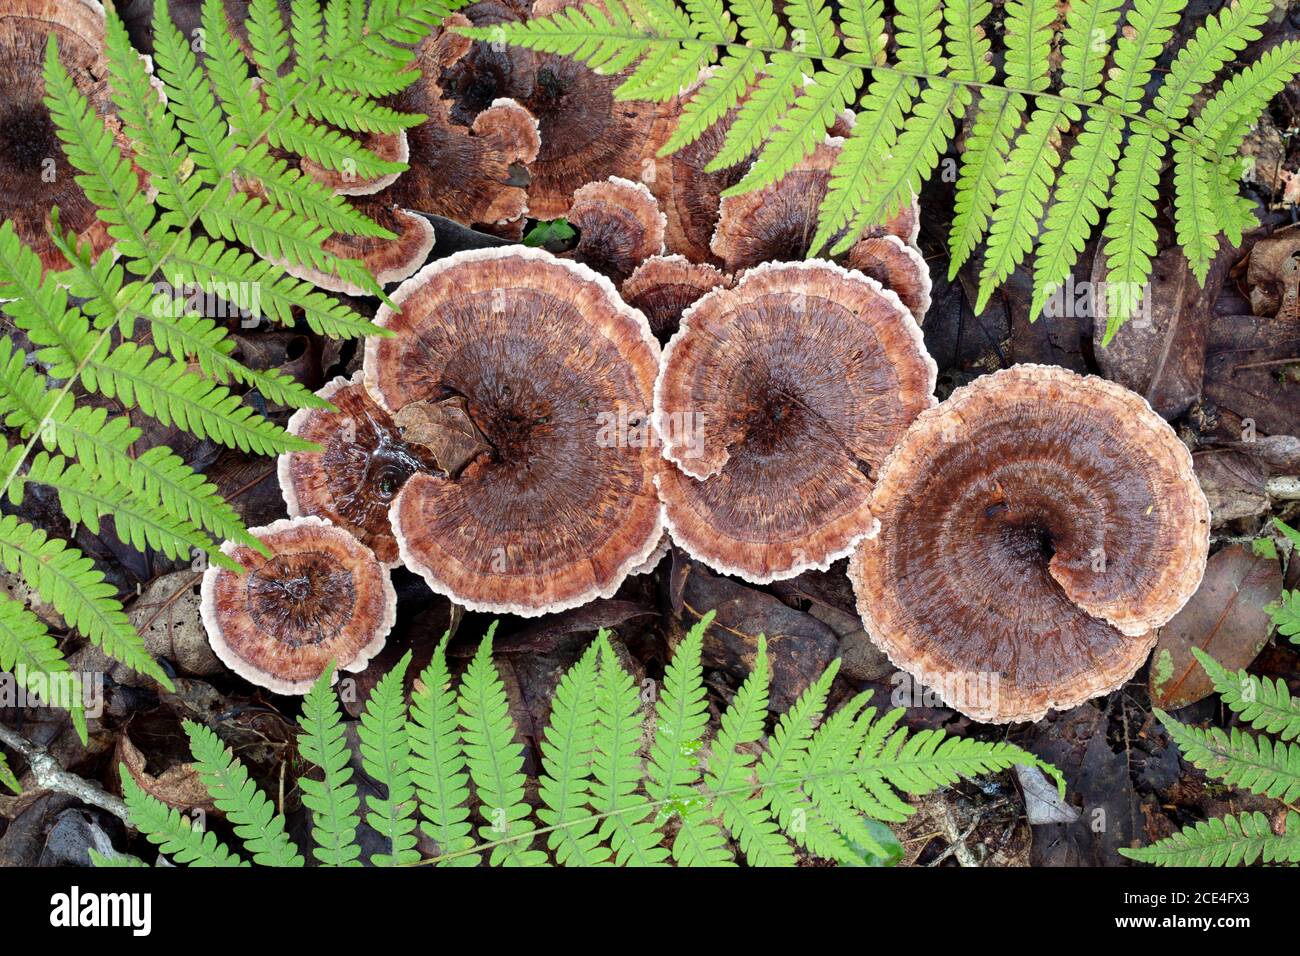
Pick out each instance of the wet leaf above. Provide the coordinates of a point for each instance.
(1225, 618)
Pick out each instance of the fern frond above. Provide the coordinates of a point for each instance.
(629, 822)
(1232, 840)
(768, 101)
(782, 769)
(1239, 759)
(681, 720)
(567, 752)
(174, 835)
(1286, 615)
(85, 500)
(30, 653)
(7, 778)
(333, 800)
(438, 761)
(1265, 704)
(803, 126)
(1085, 180)
(731, 768)
(245, 806)
(68, 580)
(495, 760)
(386, 756)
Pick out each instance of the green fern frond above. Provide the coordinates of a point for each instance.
(30, 653)
(174, 835)
(68, 580)
(628, 823)
(1084, 189)
(7, 778)
(386, 757)
(85, 500)
(1231, 840)
(731, 766)
(1239, 759)
(234, 794)
(438, 761)
(1285, 614)
(674, 771)
(495, 761)
(332, 800)
(1265, 704)
(567, 750)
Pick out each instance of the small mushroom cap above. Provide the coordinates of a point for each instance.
(557, 375)
(663, 287)
(389, 147)
(474, 174)
(620, 225)
(778, 402)
(690, 196)
(1035, 529)
(777, 222)
(388, 260)
(362, 464)
(320, 596)
(35, 176)
(897, 266)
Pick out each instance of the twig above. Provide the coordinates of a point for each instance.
(51, 776)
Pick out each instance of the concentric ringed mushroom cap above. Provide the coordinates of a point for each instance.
(663, 287)
(1035, 529)
(620, 226)
(778, 402)
(362, 465)
(320, 596)
(557, 375)
(35, 176)
(895, 265)
(388, 260)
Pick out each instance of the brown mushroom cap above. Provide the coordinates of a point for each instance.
(663, 287)
(35, 176)
(389, 147)
(557, 375)
(778, 402)
(690, 196)
(476, 174)
(388, 260)
(362, 464)
(1034, 529)
(895, 265)
(778, 222)
(620, 226)
(320, 596)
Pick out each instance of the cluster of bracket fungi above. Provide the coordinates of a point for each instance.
(539, 427)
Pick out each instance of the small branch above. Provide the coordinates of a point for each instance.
(49, 775)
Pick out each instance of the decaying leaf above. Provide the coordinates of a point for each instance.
(1225, 618)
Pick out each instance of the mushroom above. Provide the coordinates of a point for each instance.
(1035, 529)
(556, 376)
(895, 265)
(690, 195)
(362, 464)
(777, 222)
(586, 134)
(620, 226)
(777, 402)
(476, 174)
(663, 287)
(35, 174)
(321, 596)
